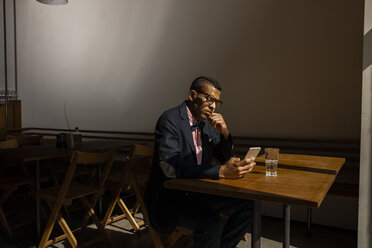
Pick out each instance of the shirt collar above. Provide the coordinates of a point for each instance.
(192, 120)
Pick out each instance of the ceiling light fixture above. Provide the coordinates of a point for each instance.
(53, 2)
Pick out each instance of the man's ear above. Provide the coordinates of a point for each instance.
(192, 95)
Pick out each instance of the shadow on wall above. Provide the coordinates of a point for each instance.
(182, 48)
(367, 54)
(127, 61)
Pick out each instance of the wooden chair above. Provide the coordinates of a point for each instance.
(140, 162)
(118, 182)
(13, 143)
(9, 143)
(63, 195)
(26, 139)
(10, 183)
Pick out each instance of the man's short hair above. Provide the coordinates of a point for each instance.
(199, 83)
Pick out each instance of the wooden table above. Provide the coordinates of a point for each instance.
(101, 145)
(38, 153)
(293, 185)
(331, 165)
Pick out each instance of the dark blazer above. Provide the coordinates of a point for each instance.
(174, 145)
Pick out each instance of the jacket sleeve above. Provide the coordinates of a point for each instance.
(224, 149)
(168, 140)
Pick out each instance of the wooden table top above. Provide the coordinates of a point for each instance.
(33, 153)
(331, 165)
(301, 180)
(289, 186)
(101, 145)
(49, 151)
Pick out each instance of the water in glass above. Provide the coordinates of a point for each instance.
(271, 167)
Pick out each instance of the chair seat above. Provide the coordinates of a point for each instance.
(76, 190)
(60, 173)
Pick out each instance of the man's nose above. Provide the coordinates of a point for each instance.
(213, 106)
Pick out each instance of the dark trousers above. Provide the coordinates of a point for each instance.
(201, 213)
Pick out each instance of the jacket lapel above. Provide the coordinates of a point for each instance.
(186, 127)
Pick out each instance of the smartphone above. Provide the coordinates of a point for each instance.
(253, 152)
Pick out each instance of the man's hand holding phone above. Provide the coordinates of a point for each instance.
(236, 168)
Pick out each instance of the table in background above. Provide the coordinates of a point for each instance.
(292, 186)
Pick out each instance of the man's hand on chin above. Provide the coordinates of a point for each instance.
(216, 120)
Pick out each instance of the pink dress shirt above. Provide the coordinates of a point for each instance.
(196, 136)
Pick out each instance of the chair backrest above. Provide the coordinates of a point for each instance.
(26, 139)
(10, 143)
(102, 159)
(98, 158)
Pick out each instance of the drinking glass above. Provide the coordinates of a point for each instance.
(271, 161)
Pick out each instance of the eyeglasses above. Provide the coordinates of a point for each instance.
(210, 99)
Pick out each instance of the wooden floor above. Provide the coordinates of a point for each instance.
(121, 235)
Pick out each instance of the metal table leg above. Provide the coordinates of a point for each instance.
(99, 174)
(309, 216)
(38, 229)
(256, 228)
(286, 223)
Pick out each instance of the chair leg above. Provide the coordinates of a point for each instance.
(87, 216)
(109, 211)
(156, 238)
(176, 235)
(136, 207)
(95, 218)
(66, 229)
(4, 222)
(6, 194)
(128, 215)
(50, 224)
(172, 239)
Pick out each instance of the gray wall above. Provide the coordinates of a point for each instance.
(288, 68)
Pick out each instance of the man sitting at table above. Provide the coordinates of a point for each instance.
(187, 139)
